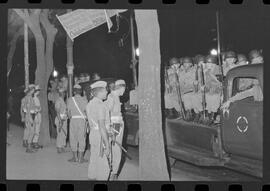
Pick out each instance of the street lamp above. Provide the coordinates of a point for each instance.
(214, 52)
(55, 73)
(137, 51)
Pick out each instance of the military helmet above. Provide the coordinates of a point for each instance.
(173, 61)
(211, 59)
(230, 54)
(187, 60)
(241, 58)
(199, 58)
(254, 54)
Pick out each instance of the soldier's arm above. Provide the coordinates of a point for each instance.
(109, 102)
(242, 95)
(102, 127)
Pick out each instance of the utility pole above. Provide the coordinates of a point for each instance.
(218, 44)
(134, 60)
(70, 65)
(26, 57)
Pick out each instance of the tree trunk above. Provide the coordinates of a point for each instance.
(152, 159)
(12, 49)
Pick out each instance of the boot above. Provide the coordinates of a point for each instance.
(59, 150)
(114, 177)
(81, 159)
(188, 115)
(197, 117)
(30, 149)
(36, 146)
(74, 158)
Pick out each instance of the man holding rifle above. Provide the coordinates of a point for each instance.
(99, 120)
(117, 124)
(78, 124)
(61, 121)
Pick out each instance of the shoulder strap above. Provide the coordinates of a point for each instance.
(78, 107)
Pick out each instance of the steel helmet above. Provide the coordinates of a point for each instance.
(254, 54)
(173, 61)
(230, 54)
(241, 58)
(187, 60)
(211, 59)
(199, 58)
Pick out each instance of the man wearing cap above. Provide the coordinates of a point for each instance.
(117, 123)
(230, 60)
(61, 121)
(213, 88)
(76, 111)
(37, 117)
(256, 57)
(27, 113)
(99, 121)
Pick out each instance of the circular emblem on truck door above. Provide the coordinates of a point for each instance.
(242, 124)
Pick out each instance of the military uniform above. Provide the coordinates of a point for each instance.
(37, 119)
(114, 105)
(97, 110)
(28, 109)
(76, 109)
(61, 109)
(230, 59)
(213, 87)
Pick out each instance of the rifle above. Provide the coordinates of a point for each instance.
(196, 78)
(123, 149)
(203, 94)
(180, 101)
(61, 126)
(167, 81)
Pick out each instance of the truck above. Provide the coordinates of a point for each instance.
(235, 143)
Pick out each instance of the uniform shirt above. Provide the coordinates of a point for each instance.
(28, 104)
(97, 110)
(37, 104)
(53, 96)
(114, 105)
(81, 102)
(187, 79)
(60, 107)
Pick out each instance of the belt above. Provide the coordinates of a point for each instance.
(78, 117)
(116, 118)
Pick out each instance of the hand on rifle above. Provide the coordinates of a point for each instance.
(107, 150)
(225, 105)
(202, 88)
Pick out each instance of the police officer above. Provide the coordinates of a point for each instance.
(28, 109)
(61, 121)
(241, 60)
(255, 57)
(117, 123)
(37, 117)
(76, 111)
(99, 121)
(230, 60)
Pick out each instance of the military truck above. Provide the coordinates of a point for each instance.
(235, 143)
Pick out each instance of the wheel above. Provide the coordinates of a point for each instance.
(172, 161)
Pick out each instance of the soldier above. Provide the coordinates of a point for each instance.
(188, 83)
(230, 59)
(95, 76)
(28, 116)
(76, 111)
(241, 60)
(61, 121)
(37, 118)
(99, 121)
(171, 96)
(199, 94)
(213, 88)
(256, 57)
(114, 105)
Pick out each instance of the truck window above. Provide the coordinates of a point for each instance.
(248, 88)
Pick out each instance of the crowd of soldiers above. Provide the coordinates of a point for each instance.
(99, 118)
(193, 86)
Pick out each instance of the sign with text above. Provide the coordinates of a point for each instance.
(80, 21)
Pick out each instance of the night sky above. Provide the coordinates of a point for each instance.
(183, 33)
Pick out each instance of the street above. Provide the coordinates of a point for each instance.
(47, 164)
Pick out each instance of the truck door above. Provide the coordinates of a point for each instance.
(242, 123)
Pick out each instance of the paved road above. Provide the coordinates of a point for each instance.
(47, 164)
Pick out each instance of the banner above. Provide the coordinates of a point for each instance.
(80, 21)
